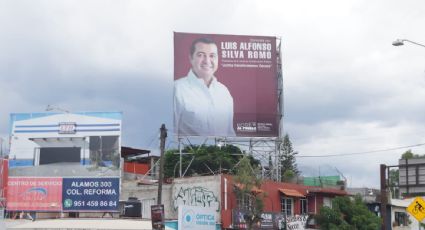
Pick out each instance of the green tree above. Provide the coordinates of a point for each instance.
(347, 214)
(289, 168)
(247, 191)
(408, 155)
(394, 183)
(204, 160)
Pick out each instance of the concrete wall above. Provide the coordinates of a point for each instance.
(147, 194)
(194, 191)
(197, 191)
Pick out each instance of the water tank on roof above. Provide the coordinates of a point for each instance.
(132, 207)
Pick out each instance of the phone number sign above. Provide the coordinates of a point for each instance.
(90, 194)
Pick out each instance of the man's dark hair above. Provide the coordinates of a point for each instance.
(200, 40)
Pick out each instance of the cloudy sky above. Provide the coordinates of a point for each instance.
(347, 89)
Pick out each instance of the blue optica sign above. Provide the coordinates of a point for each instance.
(196, 218)
(90, 194)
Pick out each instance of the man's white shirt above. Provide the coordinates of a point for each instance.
(200, 110)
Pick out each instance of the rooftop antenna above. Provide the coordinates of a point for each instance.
(340, 173)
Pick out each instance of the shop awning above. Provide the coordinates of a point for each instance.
(291, 192)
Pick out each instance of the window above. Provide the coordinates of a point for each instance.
(286, 205)
(401, 219)
(244, 202)
(303, 206)
(327, 202)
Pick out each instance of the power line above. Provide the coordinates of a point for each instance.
(361, 153)
(154, 137)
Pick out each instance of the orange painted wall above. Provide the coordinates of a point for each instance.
(137, 168)
(272, 199)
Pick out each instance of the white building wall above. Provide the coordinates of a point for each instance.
(398, 205)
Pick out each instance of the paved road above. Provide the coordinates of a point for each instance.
(98, 224)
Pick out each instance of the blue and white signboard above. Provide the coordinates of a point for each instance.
(197, 218)
(90, 194)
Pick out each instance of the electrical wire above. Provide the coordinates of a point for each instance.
(360, 153)
(153, 138)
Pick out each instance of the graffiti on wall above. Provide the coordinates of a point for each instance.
(195, 196)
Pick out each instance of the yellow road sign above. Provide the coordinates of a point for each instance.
(417, 208)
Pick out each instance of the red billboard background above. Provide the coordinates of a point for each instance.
(247, 66)
(34, 194)
(4, 167)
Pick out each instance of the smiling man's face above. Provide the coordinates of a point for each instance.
(204, 60)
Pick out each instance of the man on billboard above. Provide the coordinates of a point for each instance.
(202, 105)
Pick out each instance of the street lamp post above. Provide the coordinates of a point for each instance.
(400, 42)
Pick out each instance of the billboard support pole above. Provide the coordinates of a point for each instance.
(180, 156)
(278, 141)
(276, 168)
(279, 87)
(250, 147)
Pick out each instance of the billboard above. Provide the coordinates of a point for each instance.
(225, 85)
(85, 144)
(34, 194)
(54, 194)
(90, 194)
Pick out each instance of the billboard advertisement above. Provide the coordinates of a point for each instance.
(90, 194)
(34, 194)
(225, 85)
(85, 144)
(157, 216)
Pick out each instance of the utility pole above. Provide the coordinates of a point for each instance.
(163, 136)
(384, 195)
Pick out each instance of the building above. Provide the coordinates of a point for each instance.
(397, 216)
(412, 177)
(370, 196)
(218, 192)
(140, 164)
(400, 219)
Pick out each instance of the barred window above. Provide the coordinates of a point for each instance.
(286, 205)
(401, 219)
(303, 206)
(244, 202)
